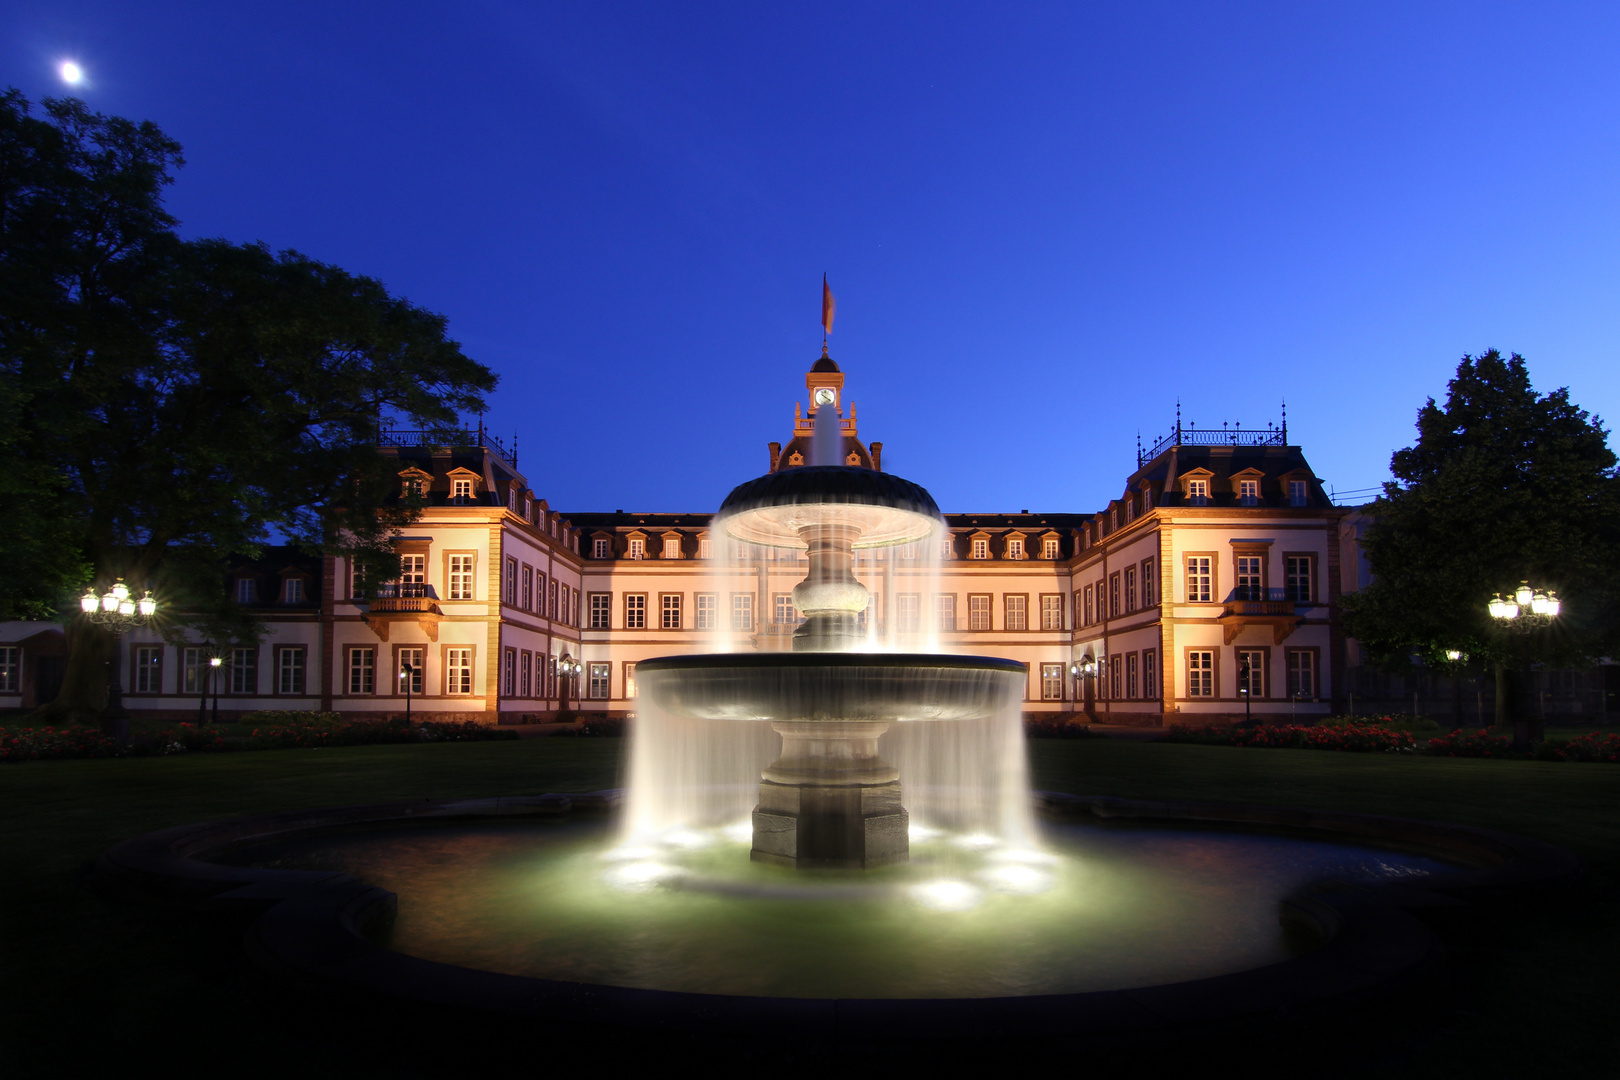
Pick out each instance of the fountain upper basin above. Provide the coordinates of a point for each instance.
(831, 687)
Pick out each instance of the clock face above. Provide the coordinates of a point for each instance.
(825, 395)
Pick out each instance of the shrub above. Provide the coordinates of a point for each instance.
(1360, 738)
(1049, 728)
(1472, 742)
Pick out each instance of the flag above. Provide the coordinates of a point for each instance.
(829, 306)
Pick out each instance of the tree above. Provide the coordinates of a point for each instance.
(178, 402)
(1503, 485)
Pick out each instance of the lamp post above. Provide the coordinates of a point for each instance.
(1524, 611)
(117, 612)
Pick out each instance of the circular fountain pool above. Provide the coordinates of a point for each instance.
(1102, 907)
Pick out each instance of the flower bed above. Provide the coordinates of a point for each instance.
(55, 744)
(1355, 738)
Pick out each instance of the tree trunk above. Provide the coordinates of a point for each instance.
(84, 678)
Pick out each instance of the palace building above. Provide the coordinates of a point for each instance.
(1209, 586)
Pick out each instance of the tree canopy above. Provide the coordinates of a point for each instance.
(168, 404)
(1503, 485)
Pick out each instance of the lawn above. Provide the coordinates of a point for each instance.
(91, 984)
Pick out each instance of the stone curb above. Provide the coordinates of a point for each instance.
(311, 934)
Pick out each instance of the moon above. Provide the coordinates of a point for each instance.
(71, 73)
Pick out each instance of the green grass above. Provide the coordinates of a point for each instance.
(86, 983)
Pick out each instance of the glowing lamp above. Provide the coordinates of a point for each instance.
(1524, 594)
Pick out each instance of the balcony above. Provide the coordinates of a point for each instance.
(1252, 606)
(400, 602)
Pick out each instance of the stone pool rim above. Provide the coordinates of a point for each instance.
(308, 931)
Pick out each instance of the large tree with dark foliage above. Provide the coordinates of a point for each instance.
(167, 405)
(1503, 485)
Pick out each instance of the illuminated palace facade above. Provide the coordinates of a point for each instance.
(1209, 585)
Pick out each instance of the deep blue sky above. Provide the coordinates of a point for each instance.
(1044, 223)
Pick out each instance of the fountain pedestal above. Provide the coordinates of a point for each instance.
(830, 800)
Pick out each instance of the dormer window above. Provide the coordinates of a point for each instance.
(1198, 492)
(1249, 492)
(293, 591)
(1015, 547)
(638, 548)
(981, 547)
(1049, 547)
(600, 547)
(461, 490)
(247, 590)
(1298, 492)
(672, 547)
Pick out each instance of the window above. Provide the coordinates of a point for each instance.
(978, 612)
(1298, 492)
(525, 677)
(1200, 579)
(1302, 674)
(289, 671)
(293, 590)
(981, 547)
(412, 569)
(10, 669)
(362, 670)
(600, 547)
(596, 685)
(601, 607)
(1249, 578)
(1197, 492)
(194, 670)
(1113, 595)
(782, 608)
(1200, 673)
(1016, 609)
(509, 593)
(1251, 672)
(509, 672)
(629, 679)
(705, 548)
(412, 669)
(1130, 588)
(551, 611)
(458, 671)
(1299, 577)
(461, 577)
(945, 609)
(247, 590)
(461, 489)
(1052, 612)
(1088, 606)
(528, 588)
(1149, 597)
(1116, 676)
(1051, 682)
(1049, 547)
(1150, 673)
(1131, 684)
(1249, 492)
(638, 548)
(244, 671)
(908, 612)
(1015, 547)
(670, 611)
(708, 611)
(635, 611)
(672, 547)
(148, 671)
(742, 611)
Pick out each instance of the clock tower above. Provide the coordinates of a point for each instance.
(825, 382)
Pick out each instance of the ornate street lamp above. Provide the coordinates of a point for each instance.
(117, 612)
(1524, 611)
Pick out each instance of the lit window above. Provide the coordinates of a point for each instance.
(1198, 492)
(978, 613)
(1015, 547)
(1051, 612)
(742, 611)
(981, 547)
(1200, 673)
(290, 671)
(670, 611)
(1249, 492)
(599, 548)
(1298, 492)
(708, 608)
(1049, 547)
(635, 611)
(672, 547)
(597, 685)
(461, 577)
(945, 606)
(1200, 580)
(362, 670)
(458, 671)
(148, 673)
(247, 590)
(601, 605)
(1051, 682)
(908, 612)
(638, 548)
